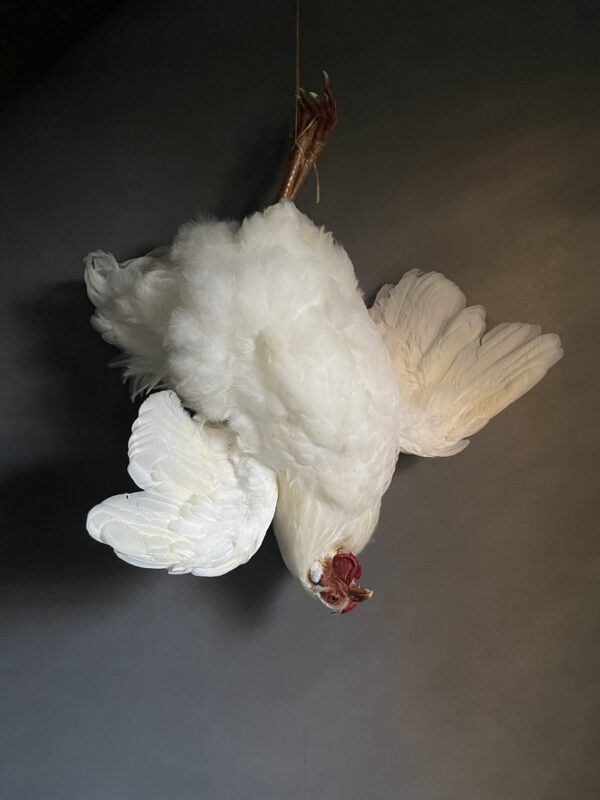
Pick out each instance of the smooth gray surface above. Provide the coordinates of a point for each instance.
(468, 141)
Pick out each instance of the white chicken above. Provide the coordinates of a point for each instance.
(302, 398)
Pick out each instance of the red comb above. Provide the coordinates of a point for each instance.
(346, 567)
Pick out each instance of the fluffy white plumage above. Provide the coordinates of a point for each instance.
(260, 328)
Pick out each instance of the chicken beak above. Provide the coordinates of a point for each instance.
(359, 594)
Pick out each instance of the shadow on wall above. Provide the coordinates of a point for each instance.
(46, 552)
(43, 505)
(45, 549)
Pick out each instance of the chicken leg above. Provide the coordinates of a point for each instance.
(315, 122)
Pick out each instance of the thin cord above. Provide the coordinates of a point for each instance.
(297, 92)
(297, 96)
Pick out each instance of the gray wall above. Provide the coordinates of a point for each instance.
(468, 141)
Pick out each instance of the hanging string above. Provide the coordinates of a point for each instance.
(297, 97)
(297, 92)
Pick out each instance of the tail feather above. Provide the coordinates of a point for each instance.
(453, 378)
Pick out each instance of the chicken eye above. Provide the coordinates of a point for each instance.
(333, 599)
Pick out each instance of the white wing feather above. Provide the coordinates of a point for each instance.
(452, 378)
(204, 508)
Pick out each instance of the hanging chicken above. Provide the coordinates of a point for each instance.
(300, 397)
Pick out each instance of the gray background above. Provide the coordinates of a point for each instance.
(468, 141)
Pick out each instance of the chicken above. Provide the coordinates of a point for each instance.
(300, 398)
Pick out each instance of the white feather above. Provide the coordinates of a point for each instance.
(134, 302)
(452, 378)
(205, 507)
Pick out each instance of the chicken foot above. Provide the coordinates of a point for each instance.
(315, 122)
